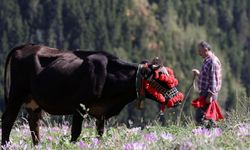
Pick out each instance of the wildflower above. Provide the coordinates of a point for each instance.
(167, 136)
(243, 130)
(24, 147)
(151, 137)
(134, 146)
(134, 130)
(201, 131)
(217, 132)
(50, 138)
(24, 129)
(95, 141)
(6, 145)
(187, 145)
(14, 146)
(65, 129)
(82, 145)
(56, 129)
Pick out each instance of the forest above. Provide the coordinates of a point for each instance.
(135, 30)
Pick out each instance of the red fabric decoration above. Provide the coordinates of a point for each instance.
(154, 92)
(171, 81)
(213, 111)
(176, 99)
(170, 71)
(199, 102)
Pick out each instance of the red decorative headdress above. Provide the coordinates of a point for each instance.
(167, 96)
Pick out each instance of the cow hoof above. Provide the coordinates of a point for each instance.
(73, 141)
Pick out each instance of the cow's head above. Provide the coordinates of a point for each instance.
(158, 82)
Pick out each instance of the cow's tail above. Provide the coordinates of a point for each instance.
(7, 73)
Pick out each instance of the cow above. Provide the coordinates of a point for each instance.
(60, 82)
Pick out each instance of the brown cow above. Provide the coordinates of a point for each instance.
(58, 82)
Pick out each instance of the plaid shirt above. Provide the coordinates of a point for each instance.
(210, 77)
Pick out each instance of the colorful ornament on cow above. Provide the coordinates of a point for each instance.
(171, 82)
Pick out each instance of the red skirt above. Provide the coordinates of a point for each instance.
(212, 112)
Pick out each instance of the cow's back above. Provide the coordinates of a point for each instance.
(64, 79)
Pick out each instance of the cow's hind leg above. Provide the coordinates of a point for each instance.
(33, 119)
(8, 119)
(76, 126)
(100, 126)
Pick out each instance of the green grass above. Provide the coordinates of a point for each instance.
(233, 133)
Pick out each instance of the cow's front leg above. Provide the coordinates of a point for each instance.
(100, 125)
(76, 126)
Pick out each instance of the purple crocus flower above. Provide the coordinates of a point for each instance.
(167, 136)
(187, 145)
(4, 147)
(50, 138)
(217, 132)
(243, 130)
(134, 130)
(95, 141)
(201, 131)
(151, 137)
(82, 145)
(56, 129)
(65, 129)
(134, 146)
(24, 129)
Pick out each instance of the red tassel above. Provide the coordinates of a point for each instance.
(170, 104)
(176, 99)
(155, 93)
(171, 81)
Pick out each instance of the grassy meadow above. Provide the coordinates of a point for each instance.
(232, 133)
